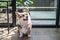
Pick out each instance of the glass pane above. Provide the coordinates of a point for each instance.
(5, 0)
(46, 10)
(43, 14)
(37, 3)
(44, 3)
(44, 22)
(3, 13)
(40, 10)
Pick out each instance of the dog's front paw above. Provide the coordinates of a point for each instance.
(20, 36)
(29, 35)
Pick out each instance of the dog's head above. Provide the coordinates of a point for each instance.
(21, 13)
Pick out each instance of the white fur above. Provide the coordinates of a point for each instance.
(24, 24)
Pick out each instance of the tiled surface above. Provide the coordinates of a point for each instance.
(44, 34)
(13, 34)
(40, 34)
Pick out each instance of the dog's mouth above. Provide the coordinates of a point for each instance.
(26, 19)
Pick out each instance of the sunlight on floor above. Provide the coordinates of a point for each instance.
(36, 34)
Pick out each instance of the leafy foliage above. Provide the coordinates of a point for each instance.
(3, 3)
(20, 2)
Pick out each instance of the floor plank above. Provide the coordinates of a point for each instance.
(40, 34)
(43, 34)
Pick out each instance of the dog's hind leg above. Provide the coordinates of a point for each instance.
(21, 34)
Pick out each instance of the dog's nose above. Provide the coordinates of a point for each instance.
(26, 16)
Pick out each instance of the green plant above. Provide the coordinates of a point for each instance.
(20, 2)
(0, 10)
(3, 3)
(31, 3)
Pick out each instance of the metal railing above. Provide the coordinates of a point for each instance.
(34, 8)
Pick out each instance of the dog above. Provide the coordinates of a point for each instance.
(24, 22)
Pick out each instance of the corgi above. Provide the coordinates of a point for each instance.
(24, 22)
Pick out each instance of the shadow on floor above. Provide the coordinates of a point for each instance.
(24, 38)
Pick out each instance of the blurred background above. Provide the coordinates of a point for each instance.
(43, 13)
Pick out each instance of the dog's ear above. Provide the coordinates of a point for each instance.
(17, 14)
(26, 10)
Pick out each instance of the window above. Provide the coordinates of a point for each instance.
(43, 12)
(3, 13)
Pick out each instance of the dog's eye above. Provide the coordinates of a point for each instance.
(23, 15)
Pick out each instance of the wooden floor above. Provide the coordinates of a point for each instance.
(43, 34)
(39, 34)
